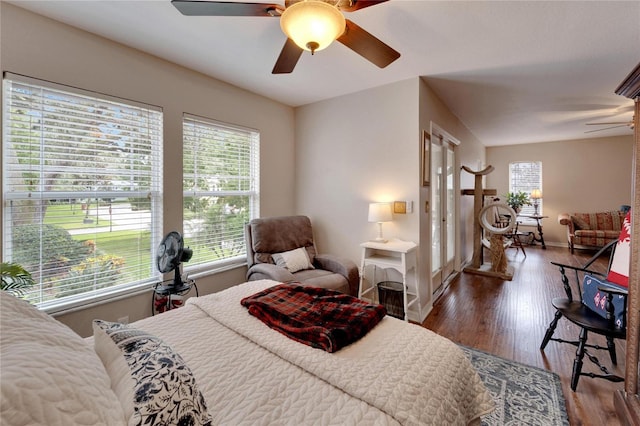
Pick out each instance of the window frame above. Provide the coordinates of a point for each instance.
(154, 192)
(253, 137)
(526, 209)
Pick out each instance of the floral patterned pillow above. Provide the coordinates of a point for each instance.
(154, 384)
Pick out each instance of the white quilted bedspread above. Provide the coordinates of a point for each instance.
(245, 384)
(248, 373)
(403, 370)
(48, 374)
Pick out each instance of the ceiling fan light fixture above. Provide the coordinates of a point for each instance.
(312, 24)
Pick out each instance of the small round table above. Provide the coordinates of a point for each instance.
(167, 296)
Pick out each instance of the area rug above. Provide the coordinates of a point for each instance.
(524, 395)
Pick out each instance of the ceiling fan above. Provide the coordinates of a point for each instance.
(309, 25)
(611, 124)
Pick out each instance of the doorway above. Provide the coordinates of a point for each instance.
(444, 181)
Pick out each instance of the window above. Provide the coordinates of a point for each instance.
(81, 191)
(221, 189)
(526, 176)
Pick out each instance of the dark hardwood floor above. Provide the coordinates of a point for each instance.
(509, 318)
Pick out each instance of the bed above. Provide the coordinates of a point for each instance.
(232, 370)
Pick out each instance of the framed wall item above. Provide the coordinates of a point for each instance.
(426, 158)
(400, 207)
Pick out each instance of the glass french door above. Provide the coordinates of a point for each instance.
(443, 208)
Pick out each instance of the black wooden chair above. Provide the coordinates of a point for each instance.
(514, 237)
(575, 310)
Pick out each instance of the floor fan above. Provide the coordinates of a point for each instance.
(171, 253)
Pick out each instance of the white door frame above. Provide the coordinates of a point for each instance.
(441, 136)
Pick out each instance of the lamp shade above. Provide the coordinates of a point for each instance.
(536, 194)
(312, 24)
(380, 212)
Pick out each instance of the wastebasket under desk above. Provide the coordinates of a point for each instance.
(395, 254)
(390, 296)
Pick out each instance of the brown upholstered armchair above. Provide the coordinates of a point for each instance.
(271, 242)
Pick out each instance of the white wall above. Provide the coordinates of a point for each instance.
(470, 152)
(353, 150)
(42, 48)
(365, 147)
(586, 175)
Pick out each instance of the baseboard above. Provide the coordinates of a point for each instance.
(555, 244)
(424, 313)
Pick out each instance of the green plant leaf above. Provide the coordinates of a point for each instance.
(516, 200)
(15, 279)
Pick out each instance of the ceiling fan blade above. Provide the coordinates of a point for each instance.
(367, 45)
(606, 128)
(223, 8)
(353, 5)
(288, 58)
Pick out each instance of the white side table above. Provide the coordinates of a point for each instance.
(395, 254)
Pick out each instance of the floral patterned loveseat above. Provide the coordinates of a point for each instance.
(592, 229)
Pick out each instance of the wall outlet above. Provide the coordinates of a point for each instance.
(124, 320)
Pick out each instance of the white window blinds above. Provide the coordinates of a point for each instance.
(526, 176)
(221, 188)
(82, 201)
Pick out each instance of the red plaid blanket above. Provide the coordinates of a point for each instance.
(317, 317)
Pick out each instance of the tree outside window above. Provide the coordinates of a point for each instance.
(221, 183)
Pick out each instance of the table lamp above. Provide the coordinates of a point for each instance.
(536, 195)
(380, 212)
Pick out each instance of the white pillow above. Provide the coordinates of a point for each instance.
(50, 375)
(154, 384)
(116, 367)
(293, 260)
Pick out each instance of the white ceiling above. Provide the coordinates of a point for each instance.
(513, 72)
